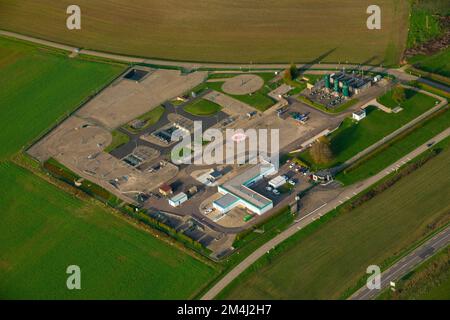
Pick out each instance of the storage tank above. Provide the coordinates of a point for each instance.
(327, 81)
(336, 85)
(345, 90)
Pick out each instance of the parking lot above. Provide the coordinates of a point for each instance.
(297, 178)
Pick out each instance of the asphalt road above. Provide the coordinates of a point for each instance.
(347, 194)
(402, 267)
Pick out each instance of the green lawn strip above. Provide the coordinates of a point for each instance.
(45, 229)
(353, 137)
(429, 75)
(431, 89)
(322, 259)
(202, 107)
(388, 101)
(40, 87)
(396, 148)
(438, 63)
(268, 227)
(311, 78)
(118, 139)
(429, 281)
(150, 118)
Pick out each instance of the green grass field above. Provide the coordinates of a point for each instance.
(424, 26)
(202, 107)
(394, 150)
(221, 31)
(327, 261)
(353, 137)
(44, 230)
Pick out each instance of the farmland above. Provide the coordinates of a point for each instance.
(45, 229)
(221, 31)
(327, 261)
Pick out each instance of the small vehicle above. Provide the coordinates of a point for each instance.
(276, 192)
(430, 144)
(292, 182)
(269, 188)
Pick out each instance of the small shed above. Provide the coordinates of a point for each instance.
(165, 190)
(177, 200)
(322, 176)
(359, 115)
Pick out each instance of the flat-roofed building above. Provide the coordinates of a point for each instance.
(226, 203)
(177, 200)
(359, 115)
(239, 188)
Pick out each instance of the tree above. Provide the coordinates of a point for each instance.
(321, 152)
(291, 73)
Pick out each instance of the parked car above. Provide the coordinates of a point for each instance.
(269, 188)
(292, 182)
(276, 192)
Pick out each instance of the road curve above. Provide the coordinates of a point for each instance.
(402, 267)
(348, 193)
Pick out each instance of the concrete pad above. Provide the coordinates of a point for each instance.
(125, 100)
(231, 106)
(243, 84)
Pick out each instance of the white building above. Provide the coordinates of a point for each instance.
(277, 182)
(359, 115)
(177, 200)
(237, 192)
